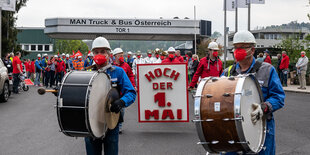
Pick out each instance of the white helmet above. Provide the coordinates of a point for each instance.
(67, 55)
(117, 51)
(45, 54)
(213, 46)
(171, 49)
(129, 53)
(39, 55)
(157, 49)
(91, 54)
(244, 37)
(55, 56)
(101, 42)
(79, 57)
(63, 54)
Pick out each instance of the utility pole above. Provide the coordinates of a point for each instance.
(225, 32)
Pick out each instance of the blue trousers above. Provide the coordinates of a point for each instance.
(16, 82)
(37, 80)
(109, 142)
(283, 78)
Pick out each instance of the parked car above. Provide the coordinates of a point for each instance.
(5, 85)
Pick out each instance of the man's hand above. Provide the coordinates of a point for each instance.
(257, 112)
(117, 105)
(189, 88)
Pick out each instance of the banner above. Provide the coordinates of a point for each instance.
(8, 5)
(242, 3)
(163, 96)
(230, 5)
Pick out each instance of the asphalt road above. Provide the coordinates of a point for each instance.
(28, 126)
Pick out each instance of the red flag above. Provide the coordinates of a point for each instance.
(73, 52)
(88, 52)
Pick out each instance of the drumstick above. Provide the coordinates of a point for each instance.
(42, 91)
(90, 67)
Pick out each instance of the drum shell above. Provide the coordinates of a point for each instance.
(72, 103)
(224, 126)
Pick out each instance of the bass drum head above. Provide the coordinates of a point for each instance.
(253, 133)
(97, 97)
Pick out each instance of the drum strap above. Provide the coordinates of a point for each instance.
(232, 69)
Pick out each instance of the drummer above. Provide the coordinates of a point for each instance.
(244, 45)
(101, 50)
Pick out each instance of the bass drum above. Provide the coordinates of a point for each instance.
(223, 109)
(81, 104)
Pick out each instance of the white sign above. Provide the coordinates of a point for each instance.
(257, 1)
(162, 95)
(242, 4)
(230, 5)
(8, 5)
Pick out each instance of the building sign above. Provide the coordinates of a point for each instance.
(162, 95)
(127, 29)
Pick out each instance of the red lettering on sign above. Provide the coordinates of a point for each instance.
(149, 113)
(161, 98)
(165, 71)
(162, 85)
(158, 72)
(167, 113)
(169, 85)
(155, 86)
(179, 113)
(175, 75)
(150, 76)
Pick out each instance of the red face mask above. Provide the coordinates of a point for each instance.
(157, 55)
(139, 56)
(67, 58)
(240, 54)
(283, 55)
(100, 59)
(121, 59)
(162, 57)
(215, 54)
(128, 56)
(302, 55)
(39, 58)
(149, 55)
(80, 59)
(175, 54)
(171, 56)
(111, 55)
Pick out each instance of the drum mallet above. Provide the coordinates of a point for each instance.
(42, 91)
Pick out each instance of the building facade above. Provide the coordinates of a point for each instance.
(34, 41)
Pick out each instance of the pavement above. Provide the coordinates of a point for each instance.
(293, 88)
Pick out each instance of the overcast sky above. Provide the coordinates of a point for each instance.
(273, 12)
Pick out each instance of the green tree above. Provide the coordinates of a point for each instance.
(9, 31)
(292, 45)
(67, 46)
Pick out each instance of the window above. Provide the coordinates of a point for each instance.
(26, 47)
(33, 48)
(47, 47)
(40, 47)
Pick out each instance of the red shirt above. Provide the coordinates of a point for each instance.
(206, 68)
(60, 67)
(129, 73)
(31, 67)
(26, 66)
(17, 61)
(284, 62)
(168, 60)
(267, 59)
(180, 58)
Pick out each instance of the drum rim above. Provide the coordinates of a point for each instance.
(237, 111)
(198, 114)
(87, 104)
(58, 100)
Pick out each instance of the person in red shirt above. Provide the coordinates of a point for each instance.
(171, 56)
(60, 70)
(120, 62)
(284, 68)
(210, 65)
(267, 59)
(31, 69)
(17, 71)
(178, 55)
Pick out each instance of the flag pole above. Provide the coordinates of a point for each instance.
(249, 15)
(236, 22)
(225, 33)
(195, 29)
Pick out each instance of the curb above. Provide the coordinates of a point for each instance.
(295, 91)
